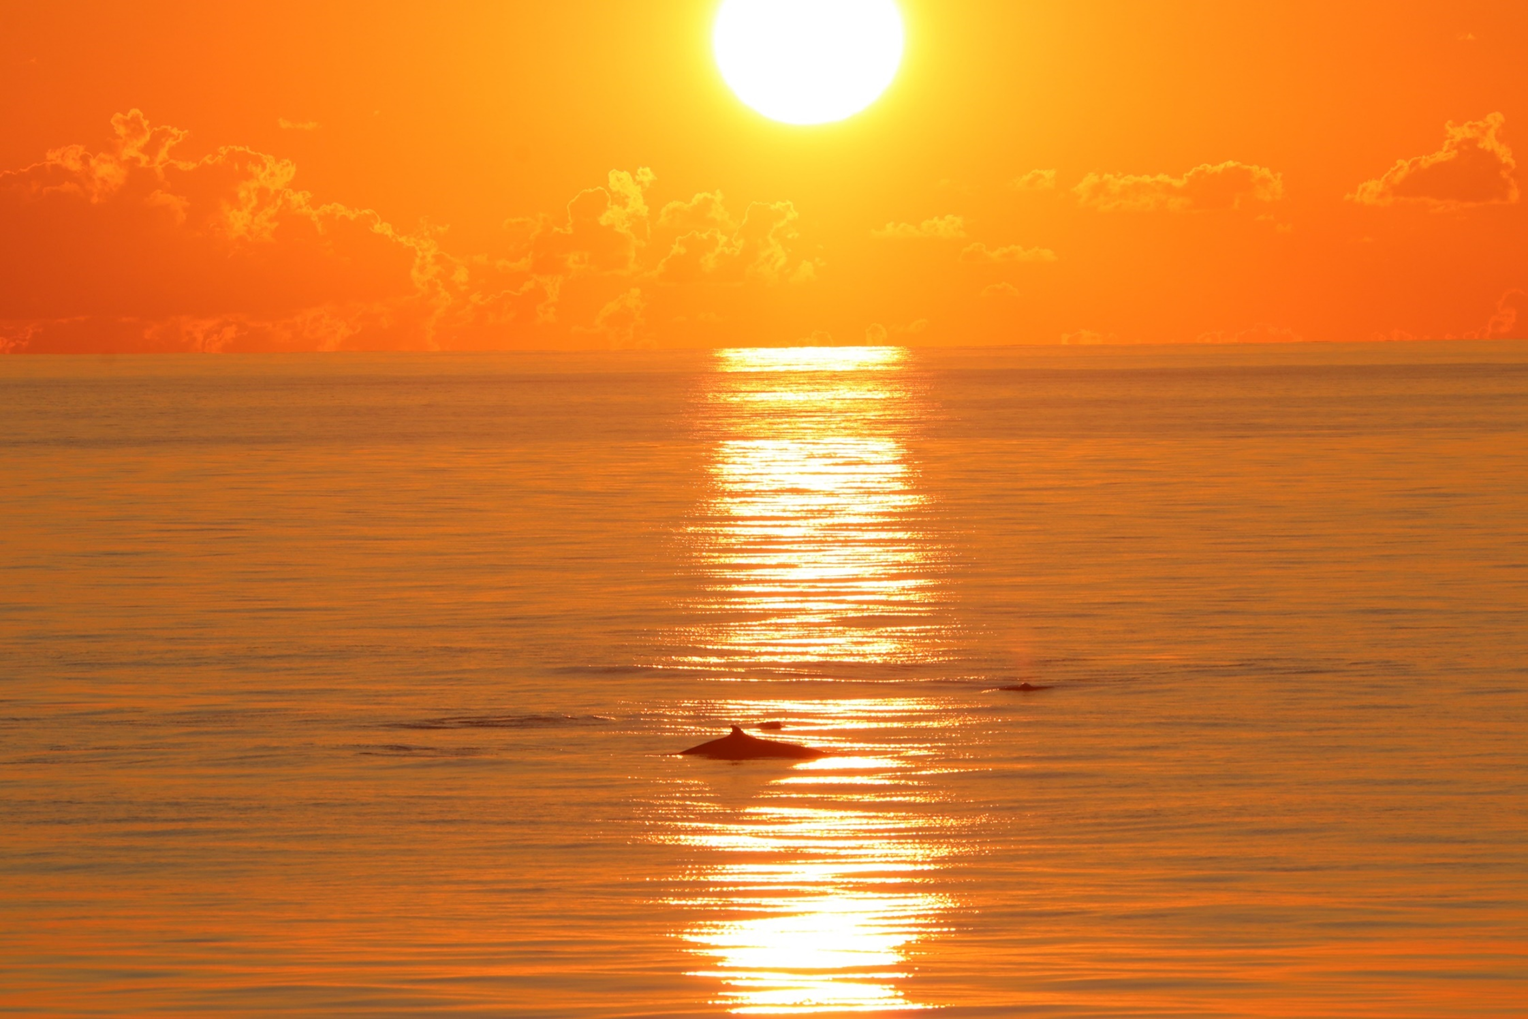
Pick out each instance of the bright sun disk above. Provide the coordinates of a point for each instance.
(808, 61)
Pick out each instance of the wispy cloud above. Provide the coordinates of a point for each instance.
(1036, 180)
(1087, 338)
(621, 322)
(1508, 322)
(1228, 185)
(1011, 253)
(1260, 333)
(942, 228)
(706, 243)
(133, 247)
(1474, 167)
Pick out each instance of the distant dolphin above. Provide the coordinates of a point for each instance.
(1024, 687)
(739, 746)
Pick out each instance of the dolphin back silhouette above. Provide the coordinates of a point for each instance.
(739, 746)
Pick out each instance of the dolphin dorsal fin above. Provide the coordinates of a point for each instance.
(736, 731)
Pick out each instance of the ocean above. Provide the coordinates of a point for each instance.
(353, 685)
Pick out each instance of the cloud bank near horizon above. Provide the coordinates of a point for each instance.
(140, 245)
(133, 247)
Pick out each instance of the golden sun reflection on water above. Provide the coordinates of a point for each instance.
(812, 556)
(823, 879)
(811, 547)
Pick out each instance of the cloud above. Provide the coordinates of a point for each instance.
(942, 228)
(877, 334)
(708, 245)
(1012, 253)
(1000, 290)
(1260, 333)
(1474, 167)
(1036, 180)
(200, 252)
(1228, 185)
(296, 125)
(134, 248)
(1087, 338)
(622, 321)
(1508, 322)
(602, 230)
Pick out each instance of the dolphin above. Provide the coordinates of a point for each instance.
(739, 746)
(1024, 687)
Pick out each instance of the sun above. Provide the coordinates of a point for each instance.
(808, 61)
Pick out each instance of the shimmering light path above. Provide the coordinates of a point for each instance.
(814, 553)
(818, 886)
(812, 544)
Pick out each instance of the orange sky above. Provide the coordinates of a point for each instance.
(495, 175)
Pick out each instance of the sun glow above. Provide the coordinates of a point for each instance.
(808, 61)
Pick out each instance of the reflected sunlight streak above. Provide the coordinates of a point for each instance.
(812, 553)
(811, 544)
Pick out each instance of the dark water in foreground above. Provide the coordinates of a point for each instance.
(344, 685)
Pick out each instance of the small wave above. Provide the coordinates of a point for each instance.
(411, 750)
(501, 722)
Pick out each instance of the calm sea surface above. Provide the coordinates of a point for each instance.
(350, 685)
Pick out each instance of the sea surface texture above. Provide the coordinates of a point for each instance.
(345, 685)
